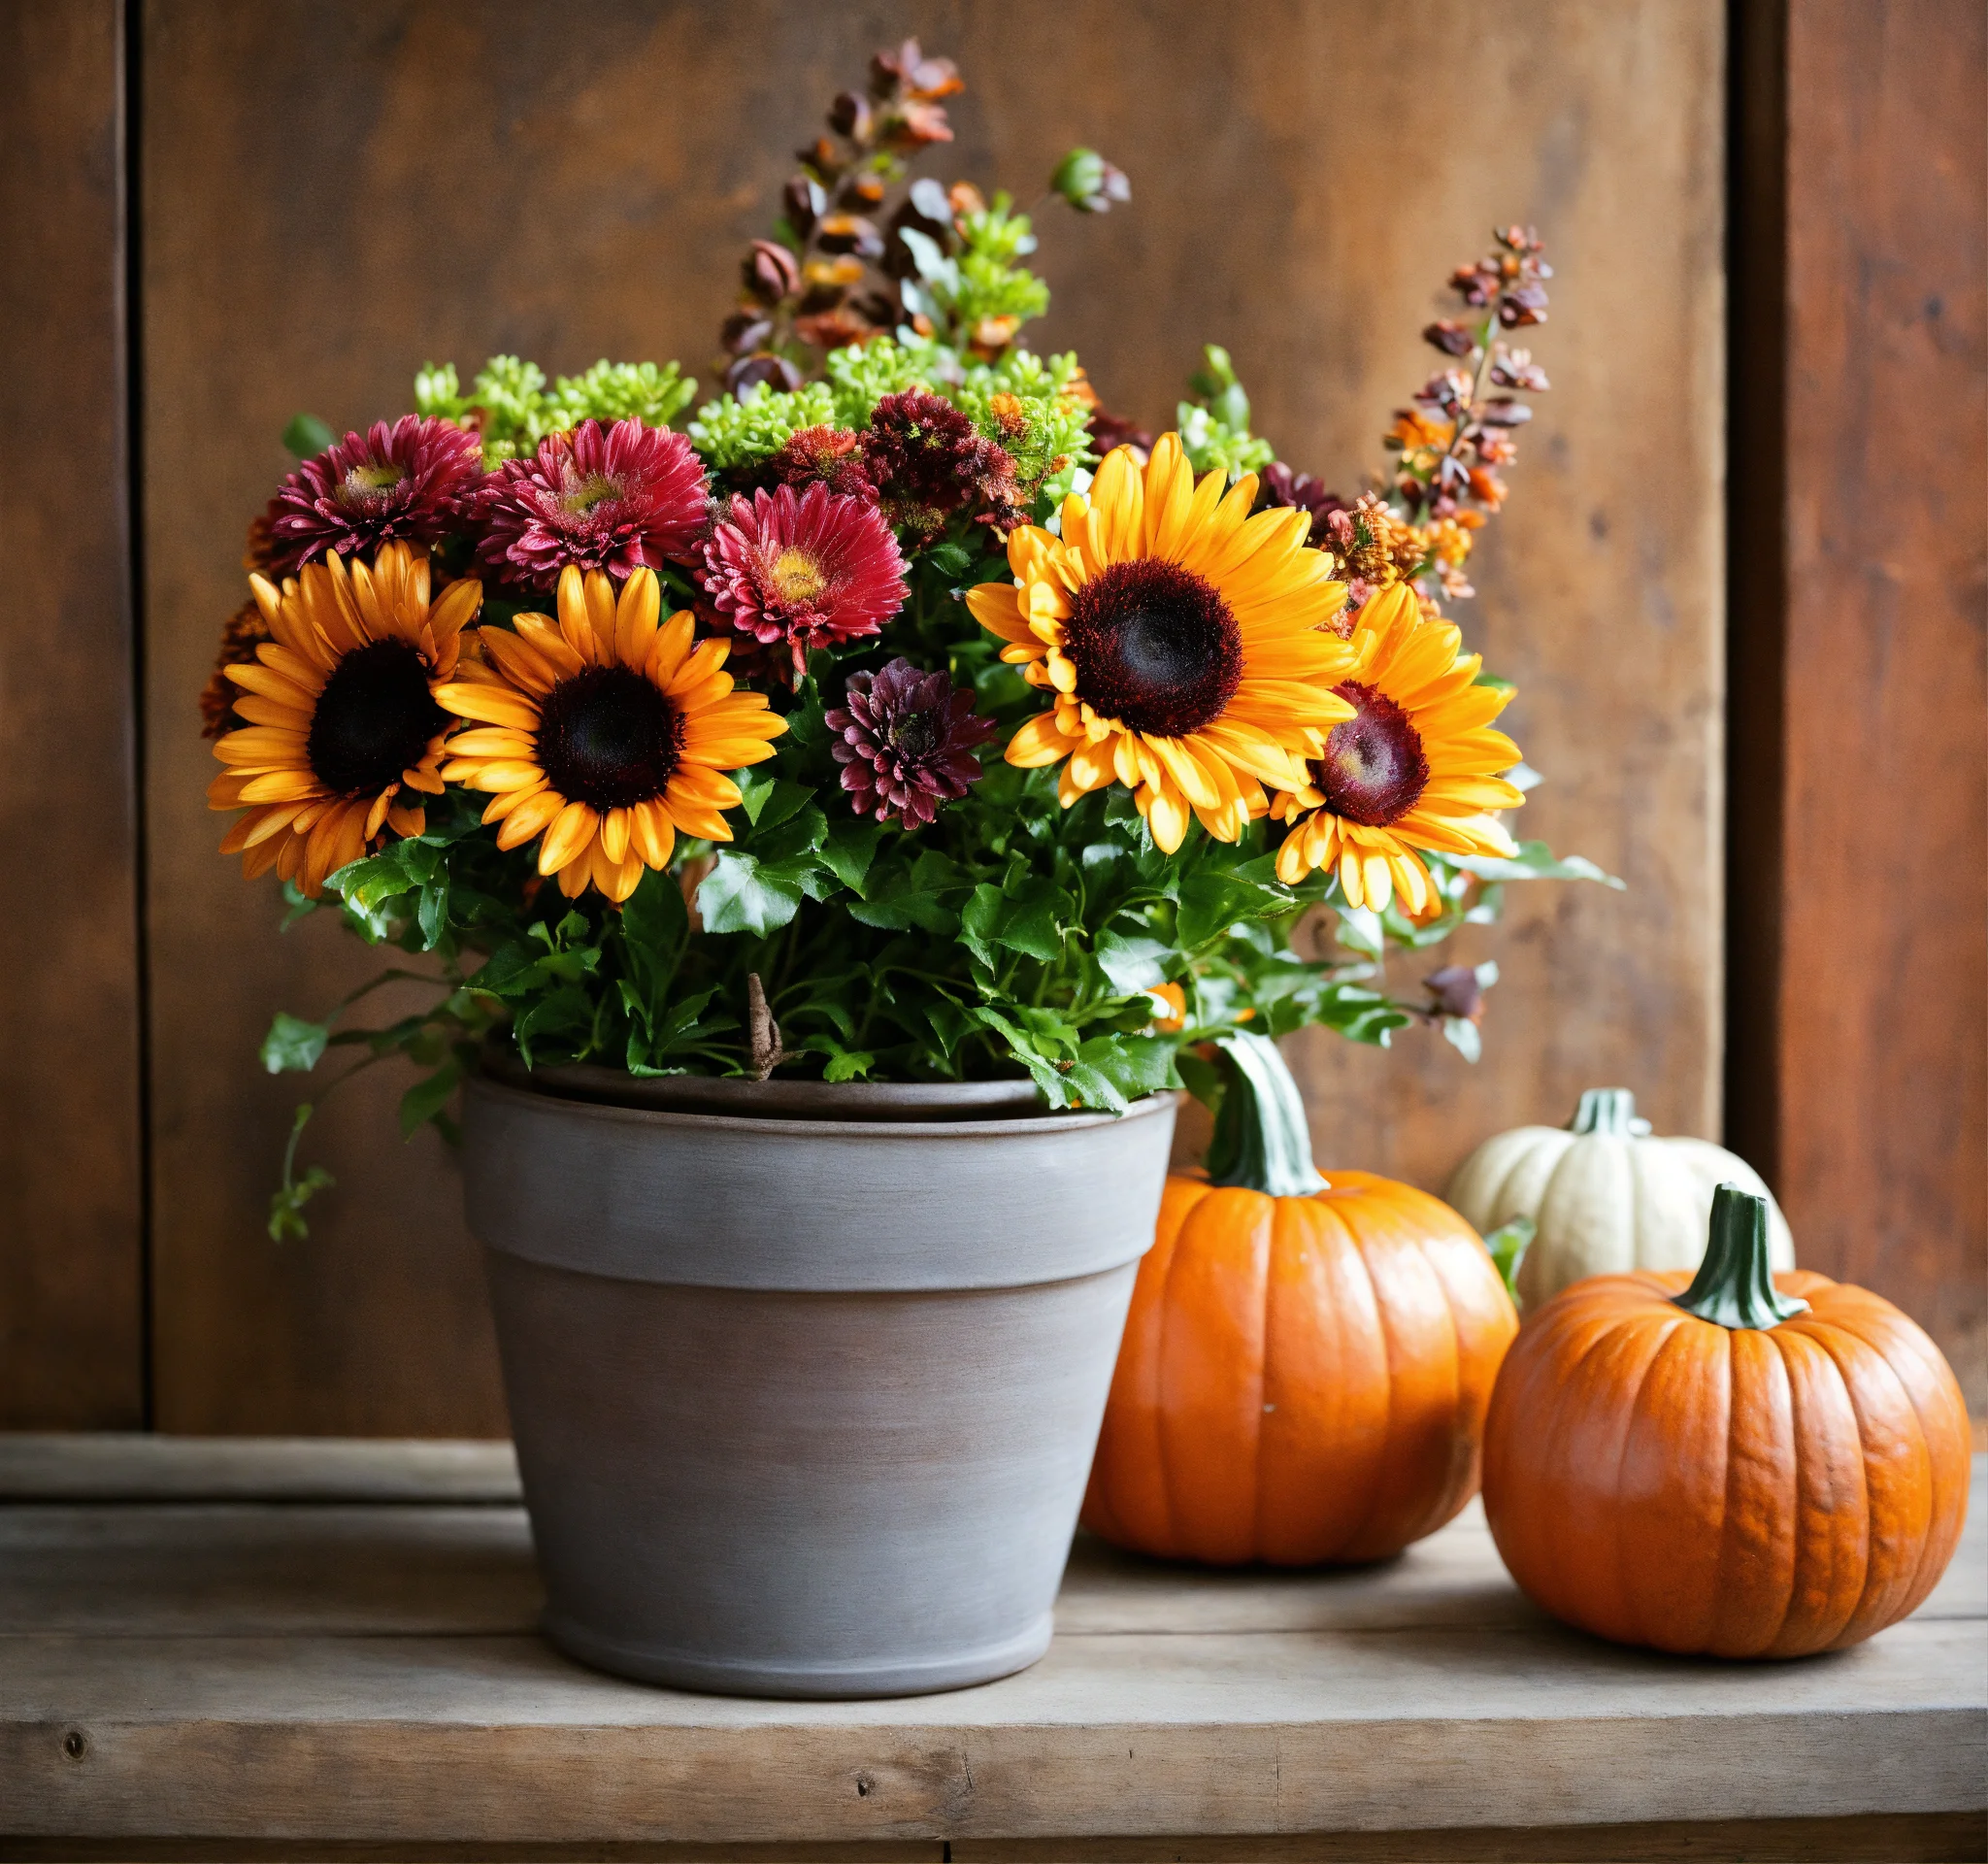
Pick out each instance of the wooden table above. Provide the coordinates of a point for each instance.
(215, 1650)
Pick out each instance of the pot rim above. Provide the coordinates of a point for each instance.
(486, 1083)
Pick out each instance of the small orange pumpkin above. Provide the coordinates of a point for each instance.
(1307, 1363)
(1756, 1466)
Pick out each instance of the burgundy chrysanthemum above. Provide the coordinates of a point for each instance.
(1281, 485)
(906, 742)
(409, 482)
(618, 499)
(832, 455)
(926, 461)
(1110, 431)
(811, 568)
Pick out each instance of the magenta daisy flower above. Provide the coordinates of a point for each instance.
(406, 483)
(618, 499)
(811, 568)
(906, 742)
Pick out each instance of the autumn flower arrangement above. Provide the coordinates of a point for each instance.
(898, 694)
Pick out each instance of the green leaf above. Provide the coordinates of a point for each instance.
(1508, 1244)
(426, 1098)
(850, 849)
(736, 896)
(292, 1044)
(1211, 901)
(772, 799)
(653, 918)
(1023, 918)
(913, 896)
(1535, 861)
(1132, 964)
(950, 559)
(307, 435)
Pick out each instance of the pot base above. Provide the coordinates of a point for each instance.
(820, 1683)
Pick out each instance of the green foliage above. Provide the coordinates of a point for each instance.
(612, 391)
(307, 436)
(1214, 426)
(983, 280)
(731, 433)
(1508, 1244)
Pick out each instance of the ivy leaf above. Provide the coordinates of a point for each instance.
(426, 1098)
(850, 849)
(737, 897)
(913, 896)
(1211, 901)
(1131, 964)
(950, 559)
(292, 1044)
(770, 801)
(1023, 918)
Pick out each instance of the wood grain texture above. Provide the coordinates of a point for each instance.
(272, 1675)
(1882, 984)
(1871, 1839)
(336, 195)
(71, 1309)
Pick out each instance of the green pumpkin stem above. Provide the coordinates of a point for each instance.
(1734, 1284)
(1262, 1141)
(1606, 1110)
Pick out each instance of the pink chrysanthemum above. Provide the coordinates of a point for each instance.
(810, 568)
(617, 499)
(906, 742)
(406, 483)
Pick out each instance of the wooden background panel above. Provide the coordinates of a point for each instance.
(71, 1308)
(335, 195)
(1882, 1142)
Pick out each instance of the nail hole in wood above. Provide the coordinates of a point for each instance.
(75, 1744)
(863, 1786)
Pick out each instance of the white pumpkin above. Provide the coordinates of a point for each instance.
(1605, 1194)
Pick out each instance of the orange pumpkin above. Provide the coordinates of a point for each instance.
(1756, 1466)
(1307, 1363)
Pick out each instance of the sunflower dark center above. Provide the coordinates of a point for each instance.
(1155, 646)
(372, 720)
(609, 739)
(1375, 769)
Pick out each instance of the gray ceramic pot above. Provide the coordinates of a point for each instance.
(804, 1407)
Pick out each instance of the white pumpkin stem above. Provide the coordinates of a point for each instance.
(1606, 1109)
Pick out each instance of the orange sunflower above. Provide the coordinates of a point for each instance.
(1182, 638)
(607, 730)
(342, 715)
(1417, 766)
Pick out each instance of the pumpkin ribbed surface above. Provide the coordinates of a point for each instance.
(1661, 1479)
(1303, 1380)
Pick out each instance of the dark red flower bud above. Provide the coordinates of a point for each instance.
(748, 372)
(744, 331)
(1454, 991)
(807, 201)
(849, 115)
(849, 233)
(1450, 337)
(771, 273)
(864, 191)
(1503, 412)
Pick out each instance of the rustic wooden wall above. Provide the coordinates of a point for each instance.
(1861, 1054)
(333, 196)
(71, 1296)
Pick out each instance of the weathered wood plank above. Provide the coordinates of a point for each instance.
(1870, 1838)
(144, 1466)
(301, 1738)
(71, 1227)
(301, 157)
(1860, 1059)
